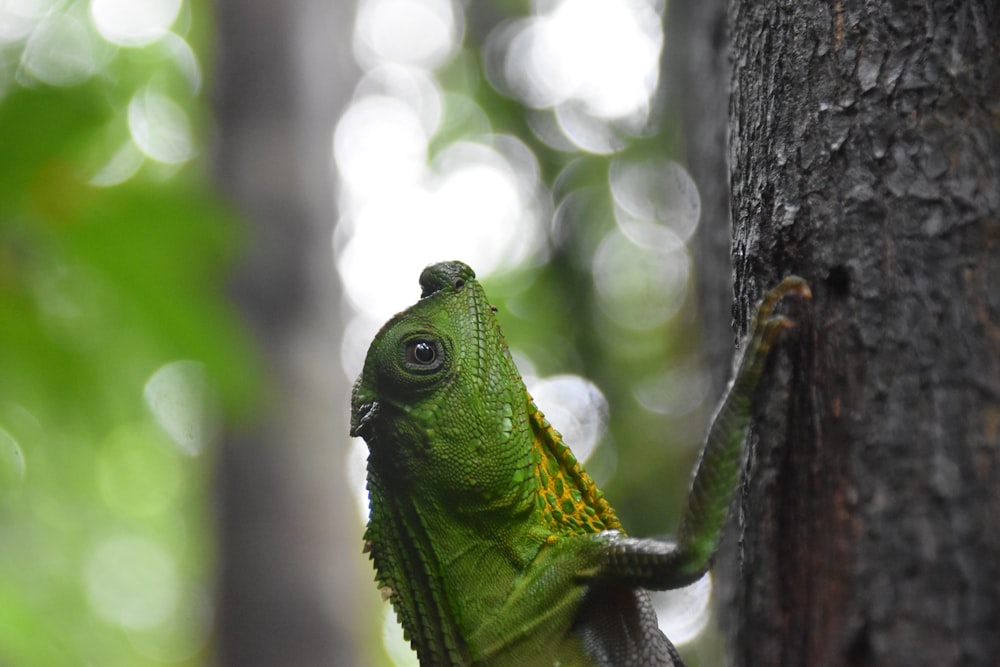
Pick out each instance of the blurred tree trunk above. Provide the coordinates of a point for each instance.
(696, 68)
(696, 64)
(290, 562)
(866, 157)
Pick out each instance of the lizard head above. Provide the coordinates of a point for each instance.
(439, 401)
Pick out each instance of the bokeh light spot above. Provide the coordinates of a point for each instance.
(160, 127)
(61, 51)
(416, 32)
(587, 132)
(395, 643)
(131, 581)
(576, 408)
(683, 613)
(472, 206)
(676, 391)
(122, 166)
(176, 395)
(657, 190)
(411, 85)
(184, 59)
(19, 17)
(134, 22)
(357, 475)
(641, 278)
(534, 69)
(604, 55)
(380, 144)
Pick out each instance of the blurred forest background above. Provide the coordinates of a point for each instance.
(207, 210)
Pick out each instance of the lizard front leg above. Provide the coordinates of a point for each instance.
(657, 564)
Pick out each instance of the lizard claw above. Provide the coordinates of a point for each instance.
(791, 285)
(767, 325)
(765, 321)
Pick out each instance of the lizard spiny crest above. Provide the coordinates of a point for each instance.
(567, 497)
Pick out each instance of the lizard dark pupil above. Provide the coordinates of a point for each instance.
(423, 355)
(423, 352)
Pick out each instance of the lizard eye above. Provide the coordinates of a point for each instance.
(421, 352)
(419, 361)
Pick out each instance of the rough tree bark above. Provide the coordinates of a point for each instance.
(865, 156)
(291, 571)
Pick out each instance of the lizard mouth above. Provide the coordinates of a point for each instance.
(361, 418)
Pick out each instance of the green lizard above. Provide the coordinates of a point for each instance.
(492, 543)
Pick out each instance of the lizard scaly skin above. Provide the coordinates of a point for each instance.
(492, 543)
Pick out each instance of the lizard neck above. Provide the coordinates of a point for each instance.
(430, 562)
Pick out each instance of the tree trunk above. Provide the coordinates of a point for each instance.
(696, 68)
(696, 64)
(866, 157)
(292, 576)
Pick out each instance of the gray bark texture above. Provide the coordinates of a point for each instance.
(865, 156)
(293, 580)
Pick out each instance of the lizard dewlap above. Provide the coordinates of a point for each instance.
(489, 539)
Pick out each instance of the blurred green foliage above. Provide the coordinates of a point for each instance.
(105, 549)
(116, 343)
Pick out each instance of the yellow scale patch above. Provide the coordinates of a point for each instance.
(567, 497)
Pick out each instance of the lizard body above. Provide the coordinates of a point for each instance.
(492, 543)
